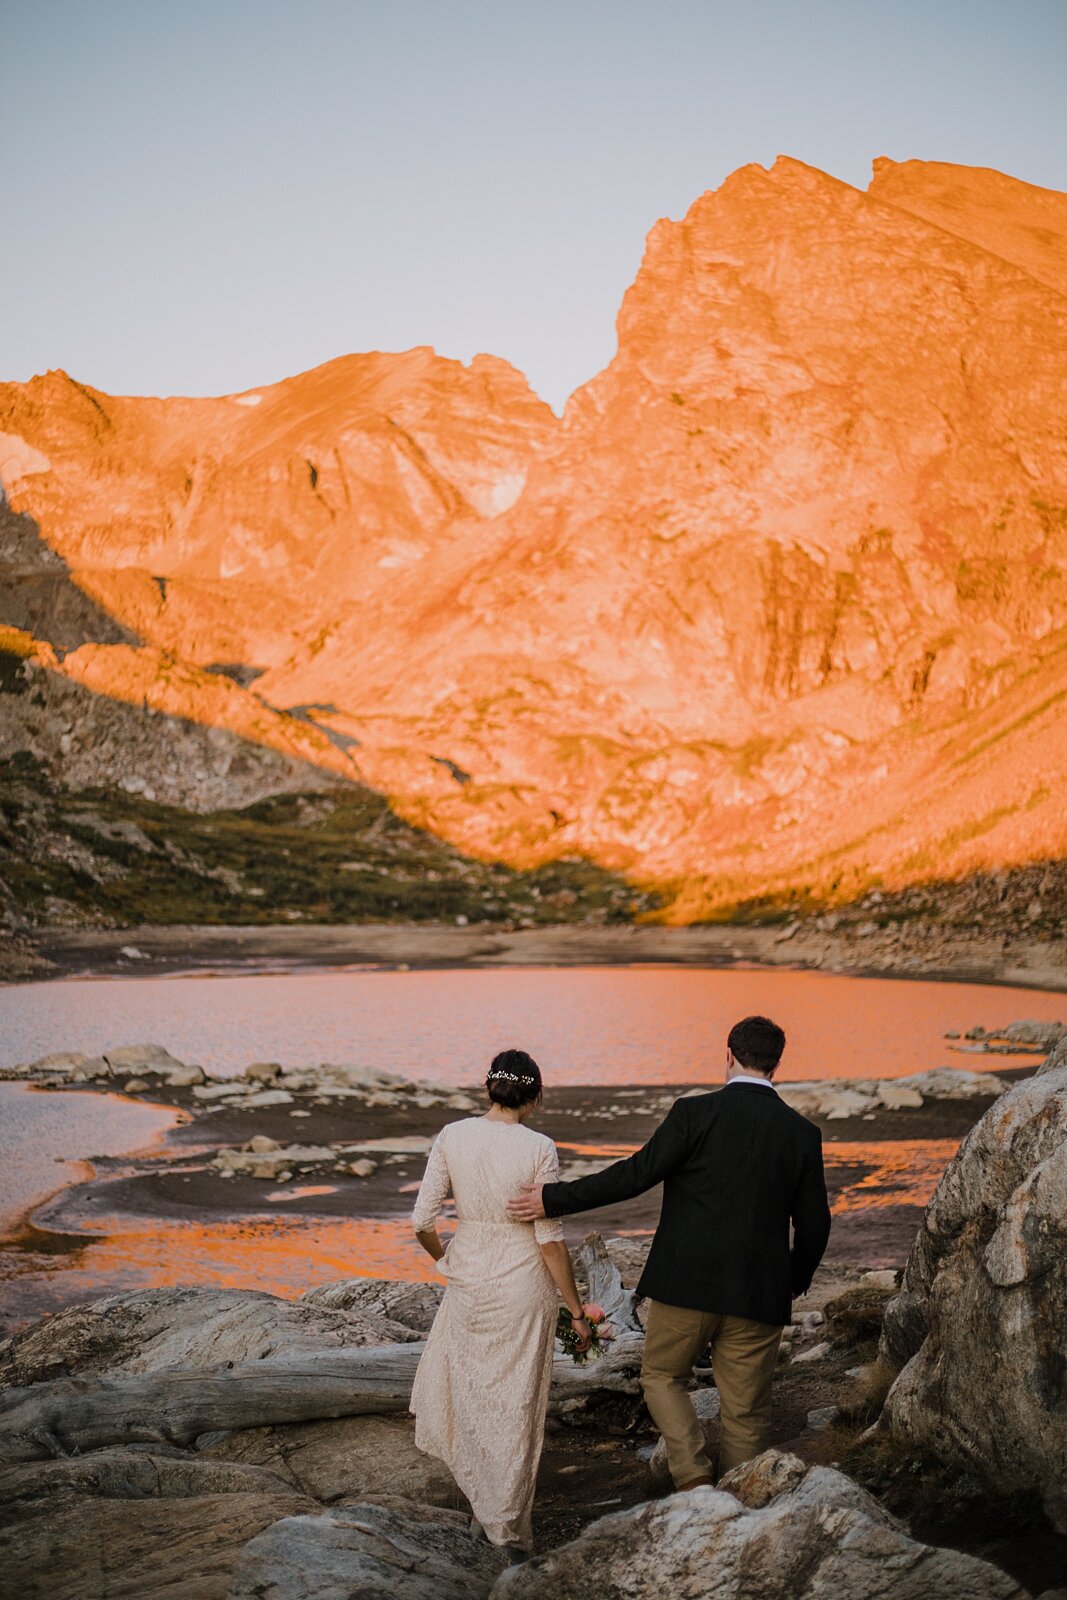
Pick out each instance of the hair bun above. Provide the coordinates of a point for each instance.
(514, 1078)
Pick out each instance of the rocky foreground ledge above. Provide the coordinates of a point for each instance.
(194, 1442)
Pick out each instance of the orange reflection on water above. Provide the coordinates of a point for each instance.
(904, 1172)
(282, 1255)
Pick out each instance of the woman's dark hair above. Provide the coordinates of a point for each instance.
(757, 1042)
(514, 1079)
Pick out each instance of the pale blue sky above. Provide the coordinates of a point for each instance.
(206, 195)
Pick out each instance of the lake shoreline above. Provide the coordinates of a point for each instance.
(916, 950)
(70, 1246)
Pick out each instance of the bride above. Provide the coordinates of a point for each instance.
(481, 1389)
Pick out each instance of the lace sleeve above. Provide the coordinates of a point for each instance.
(434, 1189)
(548, 1230)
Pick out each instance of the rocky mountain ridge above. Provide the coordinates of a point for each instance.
(778, 609)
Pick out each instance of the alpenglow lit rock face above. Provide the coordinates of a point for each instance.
(794, 558)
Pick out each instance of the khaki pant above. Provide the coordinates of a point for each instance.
(743, 1355)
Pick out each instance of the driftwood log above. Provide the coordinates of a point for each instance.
(592, 1262)
(176, 1404)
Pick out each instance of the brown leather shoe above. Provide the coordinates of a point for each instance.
(695, 1483)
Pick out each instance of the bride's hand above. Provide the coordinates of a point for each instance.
(583, 1328)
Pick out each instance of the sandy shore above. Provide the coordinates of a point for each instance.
(917, 950)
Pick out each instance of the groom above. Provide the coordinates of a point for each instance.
(737, 1167)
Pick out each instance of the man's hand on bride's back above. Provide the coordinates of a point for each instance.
(527, 1206)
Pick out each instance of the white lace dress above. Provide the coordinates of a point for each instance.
(481, 1389)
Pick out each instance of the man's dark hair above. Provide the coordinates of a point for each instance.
(514, 1079)
(757, 1042)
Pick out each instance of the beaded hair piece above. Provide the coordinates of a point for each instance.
(512, 1077)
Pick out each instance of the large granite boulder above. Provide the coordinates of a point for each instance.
(351, 1457)
(976, 1334)
(386, 1551)
(821, 1538)
(174, 1327)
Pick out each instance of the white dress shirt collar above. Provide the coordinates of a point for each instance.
(744, 1077)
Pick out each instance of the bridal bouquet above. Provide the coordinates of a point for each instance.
(602, 1334)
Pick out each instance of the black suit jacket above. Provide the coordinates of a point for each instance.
(737, 1167)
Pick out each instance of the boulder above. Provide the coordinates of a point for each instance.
(263, 1071)
(955, 1083)
(375, 1552)
(149, 1329)
(270, 1164)
(152, 1060)
(413, 1304)
(1057, 1058)
(707, 1407)
(1042, 1035)
(775, 1473)
(64, 1064)
(976, 1333)
(346, 1457)
(816, 1352)
(819, 1537)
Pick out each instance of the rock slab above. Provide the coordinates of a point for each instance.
(976, 1334)
(822, 1539)
(375, 1552)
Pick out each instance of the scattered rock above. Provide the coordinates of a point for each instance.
(821, 1417)
(976, 1331)
(61, 1065)
(364, 1168)
(270, 1164)
(881, 1278)
(136, 1086)
(838, 1098)
(816, 1353)
(263, 1071)
(375, 1552)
